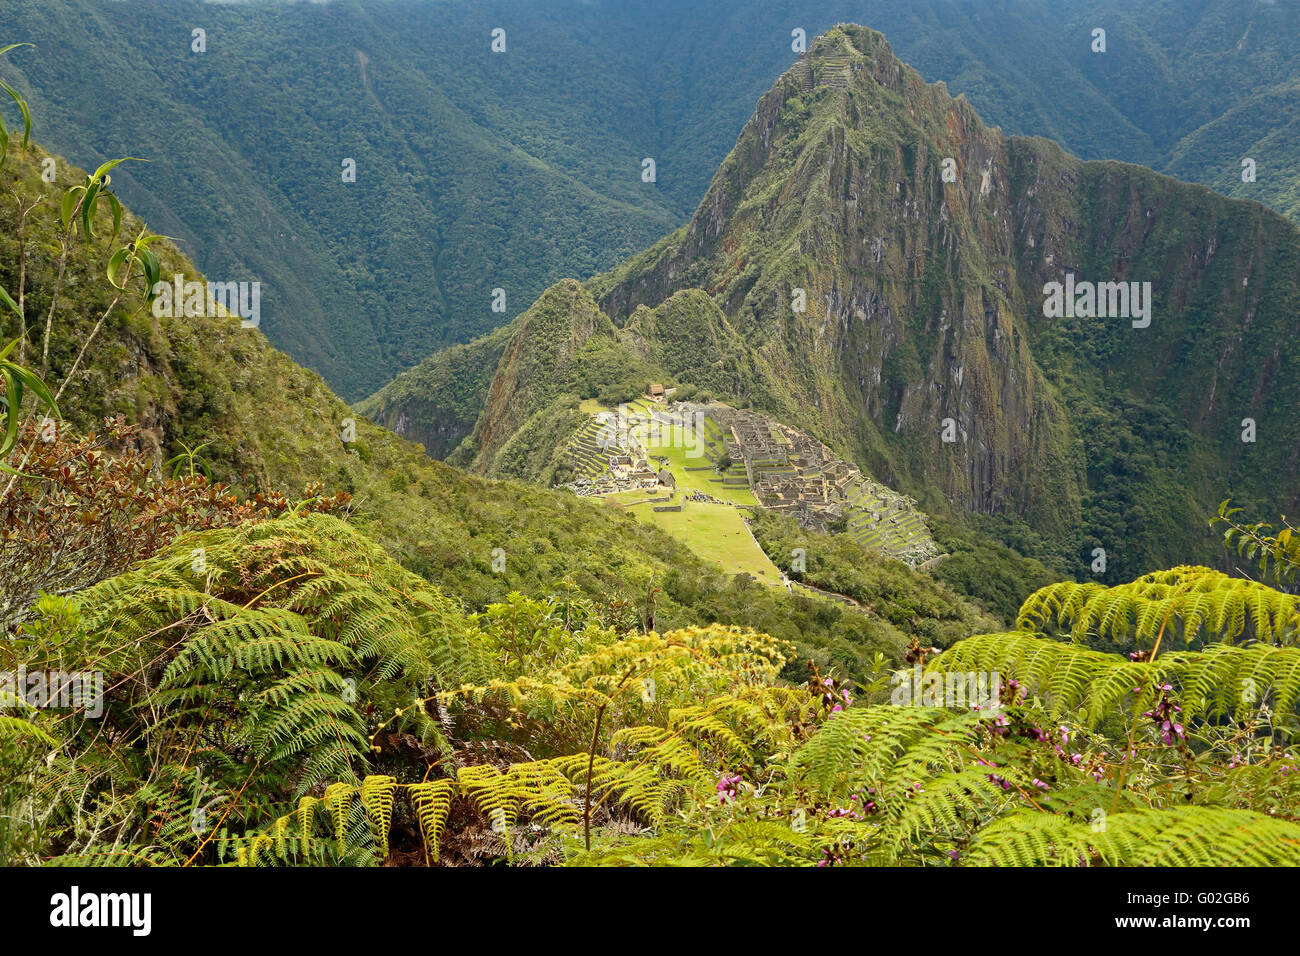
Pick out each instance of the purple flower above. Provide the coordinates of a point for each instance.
(728, 788)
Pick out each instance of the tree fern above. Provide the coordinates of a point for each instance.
(1191, 603)
(1090, 685)
(1189, 836)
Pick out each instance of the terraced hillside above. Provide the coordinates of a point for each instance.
(714, 454)
(587, 453)
(880, 518)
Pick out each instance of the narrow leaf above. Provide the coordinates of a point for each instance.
(7, 300)
(88, 211)
(113, 164)
(115, 264)
(116, 207)
(70, 204)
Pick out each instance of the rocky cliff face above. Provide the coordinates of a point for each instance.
(885, 298)
(438, 402)
(885, 255)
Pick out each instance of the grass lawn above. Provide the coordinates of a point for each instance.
(621, 499)
(678, 462)
(716, 533)
(674, 446)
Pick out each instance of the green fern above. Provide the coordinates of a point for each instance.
(1190, 836)
(1221, 680)
(1192, 603)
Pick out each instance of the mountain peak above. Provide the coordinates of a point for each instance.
(886, 253)
(870, 264)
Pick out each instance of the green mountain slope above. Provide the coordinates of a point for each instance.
(478, 171)
(926, 303)
(452, 198)
(262, 422)
(924, 314)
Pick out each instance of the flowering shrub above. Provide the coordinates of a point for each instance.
(85, 508)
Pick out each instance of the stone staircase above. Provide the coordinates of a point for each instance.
(834, 70)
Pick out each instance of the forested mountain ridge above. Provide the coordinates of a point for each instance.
(359, 656)
(206, 386)
(514, 170)
(921, 245)
(529, 375)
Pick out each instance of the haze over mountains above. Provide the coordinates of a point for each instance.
(479, 171)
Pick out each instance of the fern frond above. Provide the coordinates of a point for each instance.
(1190, 836)
(1195, 603)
